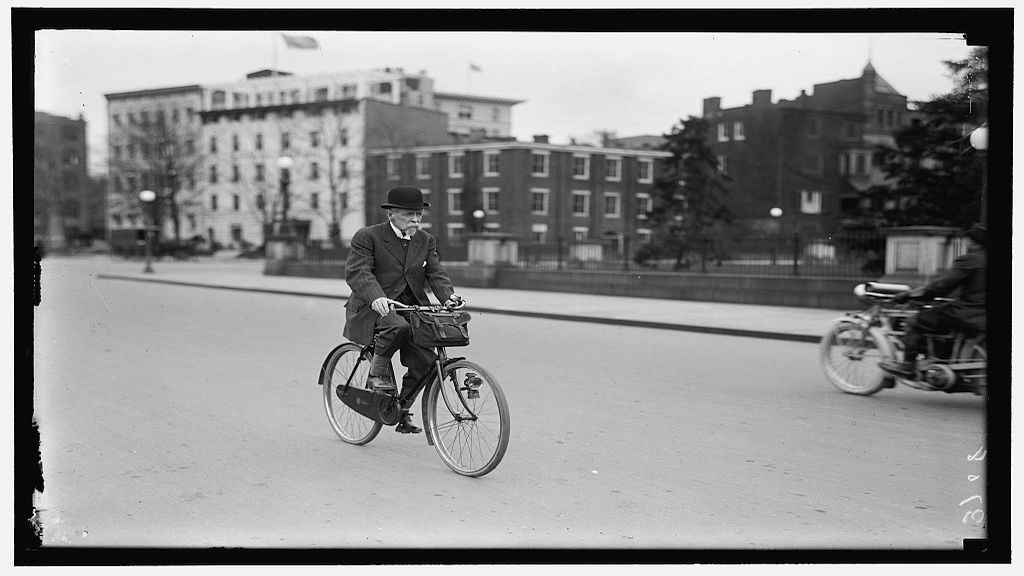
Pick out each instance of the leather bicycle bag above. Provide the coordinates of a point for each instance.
(440, 328)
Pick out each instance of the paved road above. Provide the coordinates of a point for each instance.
(179, 416)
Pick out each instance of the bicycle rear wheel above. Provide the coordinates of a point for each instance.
(849, 356)
(466, 416)
(349, 425)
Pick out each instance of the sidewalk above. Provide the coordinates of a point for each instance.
(776, 322)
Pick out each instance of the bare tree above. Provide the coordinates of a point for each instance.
(162, 157)
(47, 193)
(335, 136)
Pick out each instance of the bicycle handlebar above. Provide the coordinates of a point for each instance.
(428, 308)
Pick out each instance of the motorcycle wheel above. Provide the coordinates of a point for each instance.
(849, 357)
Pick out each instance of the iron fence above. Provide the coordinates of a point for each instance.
(840, 254)
(845, 254)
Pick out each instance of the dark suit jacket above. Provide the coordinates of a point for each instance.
(968, 274)
(378, 266)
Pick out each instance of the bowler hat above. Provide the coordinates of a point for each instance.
(405, 197)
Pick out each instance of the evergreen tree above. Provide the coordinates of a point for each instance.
(935, 174)
(688, 209)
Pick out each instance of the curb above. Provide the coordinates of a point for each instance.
(807, 338)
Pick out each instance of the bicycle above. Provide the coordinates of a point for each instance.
(465, 413)
(849, 353)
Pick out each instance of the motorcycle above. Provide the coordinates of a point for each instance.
(850, 351)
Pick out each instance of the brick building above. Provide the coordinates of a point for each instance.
(538, 192)
(67, 208)
(807, 156)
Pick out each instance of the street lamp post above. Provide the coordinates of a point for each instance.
(478, 220)
(147, 197)
(979, 140)
(776, 214)
(284, 165)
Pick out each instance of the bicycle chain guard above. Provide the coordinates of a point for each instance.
(377, 406)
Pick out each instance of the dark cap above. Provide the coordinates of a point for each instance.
(406, 198)
(978, 233)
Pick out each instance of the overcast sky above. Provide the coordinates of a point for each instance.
(572, 83)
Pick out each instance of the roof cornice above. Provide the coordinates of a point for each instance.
(483, 146)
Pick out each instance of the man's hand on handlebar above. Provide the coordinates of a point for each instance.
(455, 301)
(384, 305)
(901, 297)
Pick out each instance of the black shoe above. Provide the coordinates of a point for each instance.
(405, 425)
(902, 369)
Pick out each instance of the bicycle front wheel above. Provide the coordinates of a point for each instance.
(849, 356)
(349, 425)
(467, 418)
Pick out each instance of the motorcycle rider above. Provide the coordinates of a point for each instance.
(967, 312)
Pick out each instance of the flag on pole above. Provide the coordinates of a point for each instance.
(301, 42)
(474, 67)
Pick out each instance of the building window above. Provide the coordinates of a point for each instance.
(645, 171)
(842, 164)
(213, 144)
(234, 142)
(539, 233)
(391, 166)
(314, 200)
(814, 127)
(213, 174)
(465, 112)
(737, 131)
(454, 201)
(343, 136)
(343, 168)
(643, 236)
(455, 232)
(423, 167)
(880, 116)
(314, 139)
(644, 204)
(722, 132)
(810, 202)
(117, 119)
(261, 202)
(580, 203)
(259, 173)
(491, 163)
(455, 165)
(580, 233)
(236, 202)
(580, 166)
(116, 152)
(491, 200)
(235, 173)
(539, 163)
(191, 222)
(722, 164)
(539, 201)
(190, 146)
(348, 91)
(861, 163)
(213, 202)
(314, 171)
(612, 204)
(613, 169)
(286, 140)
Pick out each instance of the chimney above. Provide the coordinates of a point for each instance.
(540, 138)
(712, 105)
(762, 97)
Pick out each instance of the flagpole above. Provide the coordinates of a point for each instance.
(469, 77)
(273, 67)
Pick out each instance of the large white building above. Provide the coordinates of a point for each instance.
(238, 149)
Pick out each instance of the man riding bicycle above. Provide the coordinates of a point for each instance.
(392, 263)
(967, 312)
